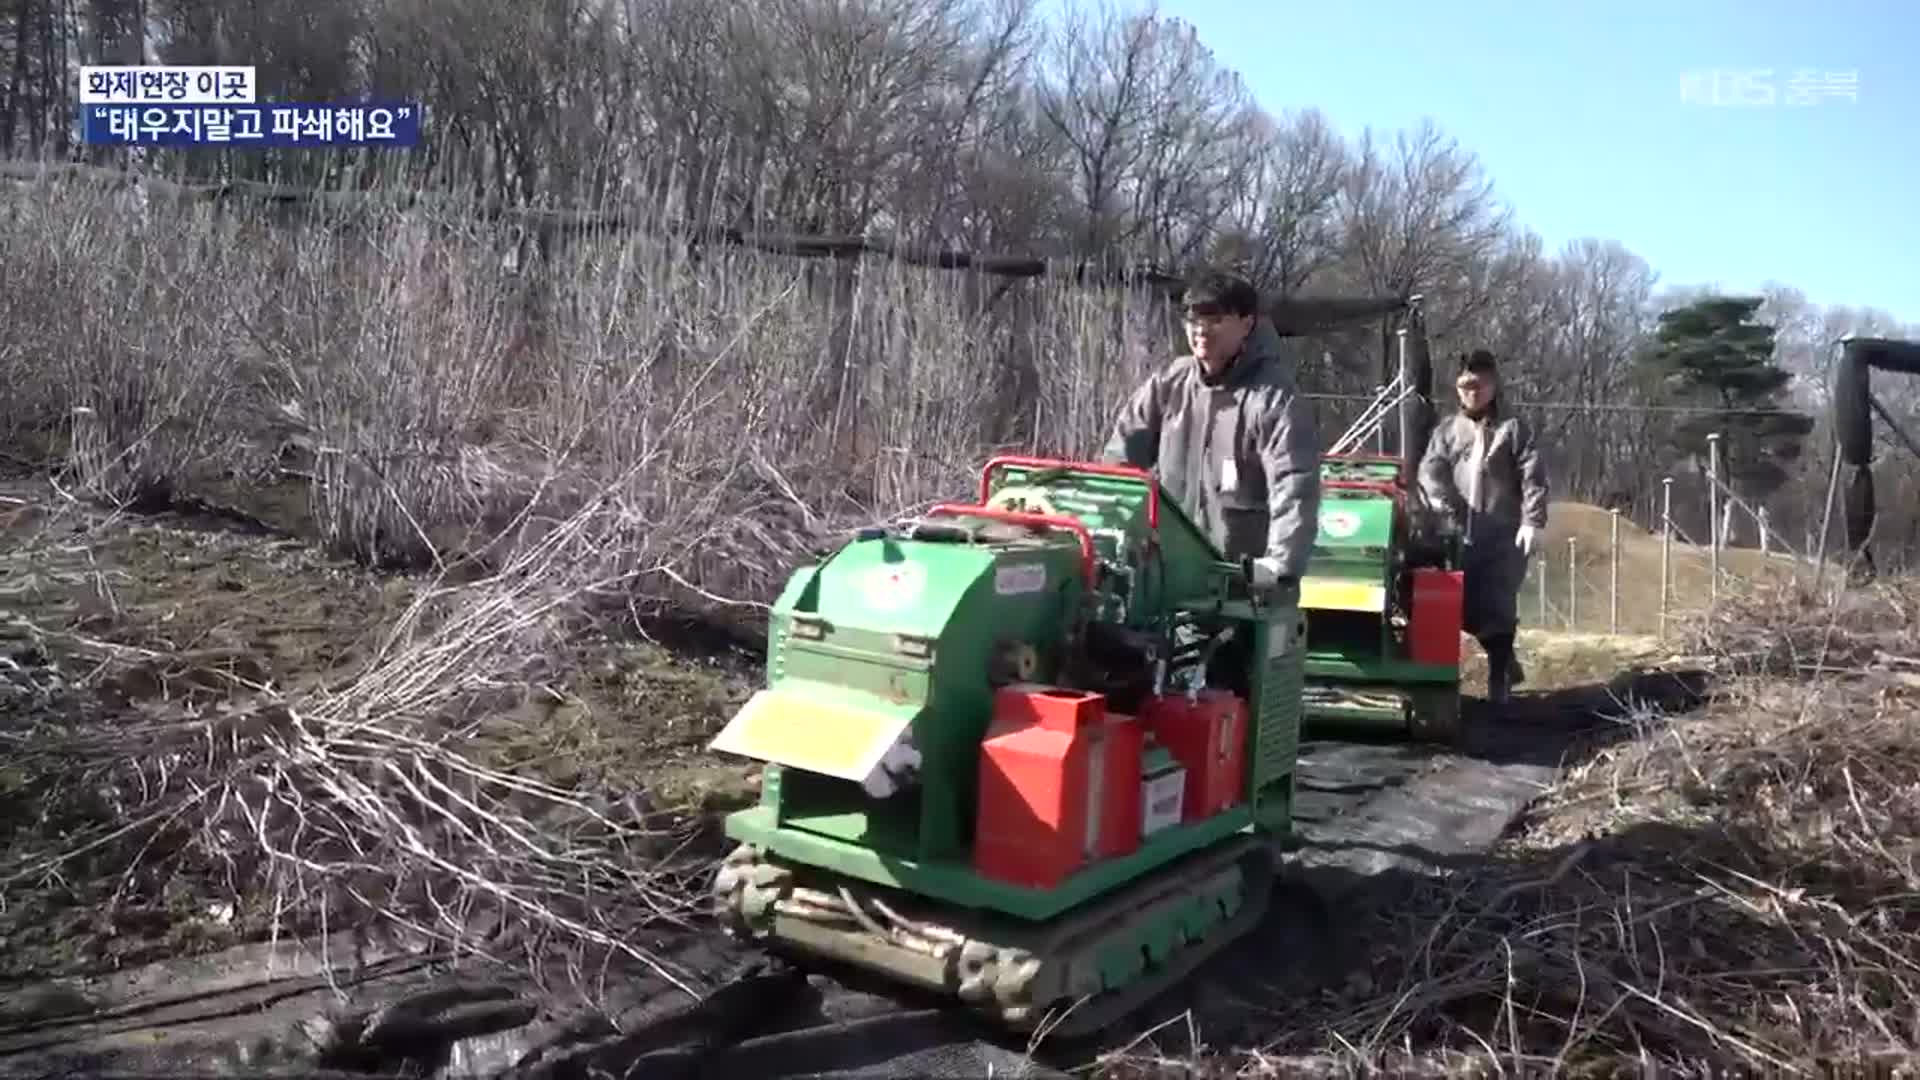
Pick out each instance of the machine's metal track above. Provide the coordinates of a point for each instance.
(1064, 979)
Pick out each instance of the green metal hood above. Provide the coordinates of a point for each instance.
(1351, 555)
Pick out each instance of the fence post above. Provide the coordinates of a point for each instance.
(1400, 374)
(1542, 590)
(1380, 433)
(1613, 574)
(1826, 528)
(1666, 547)
(1713, 515)
(1573, 587)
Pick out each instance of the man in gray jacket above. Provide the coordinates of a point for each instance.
(1229, 435)
(1485, 473)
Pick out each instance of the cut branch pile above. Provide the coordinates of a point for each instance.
(1778, 629)
(288, 810)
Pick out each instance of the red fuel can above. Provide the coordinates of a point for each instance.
(1059, 786)
(1208, 736)
(1433, 627)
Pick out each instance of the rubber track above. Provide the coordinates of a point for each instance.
(1096, 1014)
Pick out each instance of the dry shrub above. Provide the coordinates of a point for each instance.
(1782, 629)
(122, 351)
(391, 343)
(448, 391)
(1736, 888)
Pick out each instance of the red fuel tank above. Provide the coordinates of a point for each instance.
(1208, 736)
(1059, 786)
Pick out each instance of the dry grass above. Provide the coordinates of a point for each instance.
(195, 783)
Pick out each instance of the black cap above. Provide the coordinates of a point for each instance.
(1216, 292)
(1478, 362)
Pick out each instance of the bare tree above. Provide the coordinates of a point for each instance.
(1422, 217)
(1284, 225)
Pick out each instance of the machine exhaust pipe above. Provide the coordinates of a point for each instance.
(1417, 408)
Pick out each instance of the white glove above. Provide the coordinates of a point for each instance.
(897, 767)
(1266, 572)
(1526, 539)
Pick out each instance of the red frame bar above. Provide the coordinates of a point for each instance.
(1098, 469)
(1016, 517)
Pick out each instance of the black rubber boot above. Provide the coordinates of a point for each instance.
(1500, 668)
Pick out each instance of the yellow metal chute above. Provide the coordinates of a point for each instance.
(826, 734)
(1342, 594)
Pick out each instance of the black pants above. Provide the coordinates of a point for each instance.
(1500, 657)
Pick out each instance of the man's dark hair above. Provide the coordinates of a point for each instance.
(1220, 292)
(1478, 362)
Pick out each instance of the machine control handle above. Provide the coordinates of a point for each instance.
(1042, 521)
(1279, 585)
(1378, 487)
(1128, 472)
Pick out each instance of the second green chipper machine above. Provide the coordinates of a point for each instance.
(1384, 599)
(1384, 589)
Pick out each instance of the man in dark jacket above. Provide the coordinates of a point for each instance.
(1230, 436)
(1485, 472)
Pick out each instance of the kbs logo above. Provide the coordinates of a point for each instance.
(1759, 87)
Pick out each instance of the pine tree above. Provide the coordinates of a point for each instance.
(1711, 353)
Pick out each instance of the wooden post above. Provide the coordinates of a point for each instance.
(1542, 590)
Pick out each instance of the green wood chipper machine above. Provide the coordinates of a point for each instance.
(1033, 752)
(1384, 598)
(1384, 589)
(1036, 752)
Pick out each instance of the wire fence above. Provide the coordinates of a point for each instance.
(1623, 577)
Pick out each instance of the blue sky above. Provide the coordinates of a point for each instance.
(1577, 112)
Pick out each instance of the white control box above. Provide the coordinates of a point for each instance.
(1161, 794)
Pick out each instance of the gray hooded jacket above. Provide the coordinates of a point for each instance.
(1490, 476)
(1241, 457)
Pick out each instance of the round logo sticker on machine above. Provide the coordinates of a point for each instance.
(892, 586)
(1340, 524)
